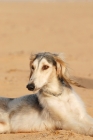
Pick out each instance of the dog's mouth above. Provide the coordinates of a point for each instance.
(36, 89)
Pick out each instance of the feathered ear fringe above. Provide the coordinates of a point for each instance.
(62, 71)
(32, 58)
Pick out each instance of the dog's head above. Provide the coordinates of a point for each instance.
(45, 66)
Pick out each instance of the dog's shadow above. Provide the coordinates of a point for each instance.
(87, 83)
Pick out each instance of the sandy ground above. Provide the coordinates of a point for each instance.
(55, 27)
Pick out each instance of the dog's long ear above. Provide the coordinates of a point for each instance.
(62, 71)
(32, 58)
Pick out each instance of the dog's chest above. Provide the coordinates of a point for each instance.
(60, 107)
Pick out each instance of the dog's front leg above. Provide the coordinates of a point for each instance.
(65, 120)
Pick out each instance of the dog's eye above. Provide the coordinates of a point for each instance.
(45, 67)
(32, 67)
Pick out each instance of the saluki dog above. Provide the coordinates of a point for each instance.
(55, 105)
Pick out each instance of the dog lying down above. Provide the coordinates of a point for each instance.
(54, 106)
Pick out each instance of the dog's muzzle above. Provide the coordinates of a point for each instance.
(31, 86)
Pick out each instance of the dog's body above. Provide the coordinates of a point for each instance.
(54, 106)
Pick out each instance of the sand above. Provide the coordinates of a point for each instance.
(55, 27)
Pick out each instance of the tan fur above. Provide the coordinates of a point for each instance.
(2, 122)
(32, 57)
(62, 71)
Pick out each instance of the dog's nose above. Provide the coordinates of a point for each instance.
(31, 86)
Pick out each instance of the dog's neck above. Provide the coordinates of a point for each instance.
(54, 87)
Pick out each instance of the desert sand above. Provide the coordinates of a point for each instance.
(55, 27)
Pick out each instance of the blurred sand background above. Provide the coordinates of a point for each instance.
(27, 27)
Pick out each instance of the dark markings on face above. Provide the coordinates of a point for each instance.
(48, 56)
